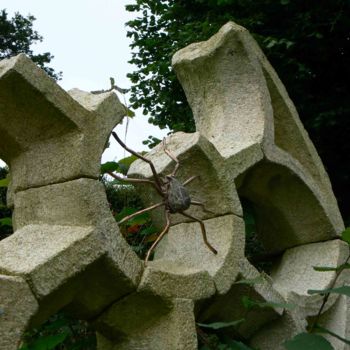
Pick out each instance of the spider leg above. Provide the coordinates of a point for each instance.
(142, 181)
(204, 232)
(161, 235)
(154, 206)
(190, 179)
(203, 206)
(172, 157)
(157, 179)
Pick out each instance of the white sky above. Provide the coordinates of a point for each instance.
(88, 40)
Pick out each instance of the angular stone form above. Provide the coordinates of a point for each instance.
(184, 243)
(67, 249)
(295, 275)
(174, 330)
(171, 279)
(197, 157)
(66, 245)
(228, 307)
(337, 320)
(240, 105)
(17, 305)
(275, 333)
(47, 127)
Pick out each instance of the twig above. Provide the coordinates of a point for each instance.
(326, 296)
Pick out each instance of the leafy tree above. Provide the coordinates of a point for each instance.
(307, 42)
(17, 36)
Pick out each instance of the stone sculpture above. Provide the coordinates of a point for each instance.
(67, 251)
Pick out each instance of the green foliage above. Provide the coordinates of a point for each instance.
(60, 332)
(17, 36)
(5, 212)
(306, 41)
(344, 290)
(308, 341)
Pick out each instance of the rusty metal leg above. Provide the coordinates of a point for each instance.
(137, 181)
(204, 232)
(203, 206)
(172, 157)
(190, 179)
(157, 179)
(161, 235)
(154, 206)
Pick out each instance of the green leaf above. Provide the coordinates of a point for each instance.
(126, 162)
(220, 325)
(327, 268)
(4, 182)
(237, 345)
(308, 341)
(344, 290)
(277, 305)
(110, 167)
(325, 330)
(6, 222)
(48, 342)
(125, 212)
(249, 303)
(148, 231)
(345, 236)
(140, 219)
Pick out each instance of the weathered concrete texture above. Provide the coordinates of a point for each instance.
(42, 124)
(275, 333)
(198, 157)
(172, 279)
(67, 263)
(287, 211)
(173, 331)
(184, 243)
(229, 306)
(239, 103)
(337, 320)
(294, 275)
(17, 305)
(77, 202)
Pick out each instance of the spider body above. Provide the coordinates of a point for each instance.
(175, 196)
(178, 198)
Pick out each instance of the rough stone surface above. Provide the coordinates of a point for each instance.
(184, 243)
(46, 126)
(78, 202)
(197, 157)
(67, 250)
(17, 306)
(337, 321)
(228, 306)
(275, 333)
(239, 104)
(295, 275)
(172, 279)
(172, 331)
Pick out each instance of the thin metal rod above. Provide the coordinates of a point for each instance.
(138, 155)
(140, 181)
(154, 206)
(161, 235)
(190, 180)
(204, 233)
(203, 206)
(173, 157)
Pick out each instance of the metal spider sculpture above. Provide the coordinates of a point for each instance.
(175, 196)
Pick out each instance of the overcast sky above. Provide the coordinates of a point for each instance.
(88, 40)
